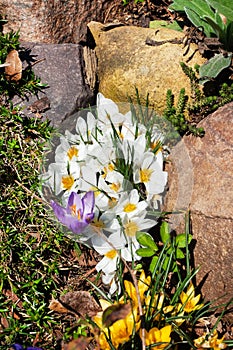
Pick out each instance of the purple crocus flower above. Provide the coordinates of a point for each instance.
(78, 213)
(19, 347)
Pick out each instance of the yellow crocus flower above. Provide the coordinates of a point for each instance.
(156, 306)
(143, 285)
(120, 331)
(176, 312)
(189, 300)
(156, 335)
(210, 342)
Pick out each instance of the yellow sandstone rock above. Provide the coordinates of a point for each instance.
(125, 61)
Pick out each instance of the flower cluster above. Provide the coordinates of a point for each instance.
(106, 176)
(125, 328)
(210, 341)
(160, 316)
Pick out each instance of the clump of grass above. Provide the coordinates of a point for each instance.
(210, 98)
(30, 244)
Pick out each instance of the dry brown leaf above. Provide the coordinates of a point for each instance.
(41, 105)
(80, 344)
(14, 70)
(56, 306)
(80, 302)
(115, 313)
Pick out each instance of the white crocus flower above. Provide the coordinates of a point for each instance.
(59, 179)
(102, 225)
(112, 248)
(111, 280)
(129, 204)
(67, 152)
(131, 131)
(132, 150)
(108, 112)
(89, 182)
(135, 224)
(86, 129)
(154, 201)
(70, 180)
(150, 173)
(101, 153)
(113, 188)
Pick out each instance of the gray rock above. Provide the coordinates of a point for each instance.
(200, 179)
(62, 68)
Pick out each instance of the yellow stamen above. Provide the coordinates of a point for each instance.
(105, 171)
(112, 202)
(111, 254)
(155, 144)
(129, 207)
(73, 209)
(98, 223)
(67, 182)
(79, 214)
(120, 135)
(115, 187)
(95, 190)
(145, 175)
(131, 228)
(72, 151)
(110, 167)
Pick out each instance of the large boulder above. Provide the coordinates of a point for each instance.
(61, 67)
(200, 179)
(52, 21)
(125, 61)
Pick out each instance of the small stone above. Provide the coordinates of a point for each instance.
(13, 71)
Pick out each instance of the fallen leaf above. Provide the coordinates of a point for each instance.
(56, 306)
(80, 302)
(114, 313)
(77, 344)
(41, 105)
(14, 70)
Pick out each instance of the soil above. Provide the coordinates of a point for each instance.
(138, 14)
(133, 13)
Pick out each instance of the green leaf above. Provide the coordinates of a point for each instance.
(178, 5)
(165, 232)
(216, 27)
(224, 7)
(165, 263)
(195, 10)
(181, 240)
(179, 254)
(201, 7)
(153, 263)
(213, 67)
(198, 21)
(219, 21)
(145, 252)
(164, 24)
(223, 31)
(146, 240)
(229, 37)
